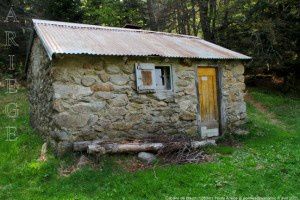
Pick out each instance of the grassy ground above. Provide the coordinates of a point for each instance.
(267, 163)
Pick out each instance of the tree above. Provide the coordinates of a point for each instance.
(66, 10)
(114, 12)
(208, 18)
(269, 32)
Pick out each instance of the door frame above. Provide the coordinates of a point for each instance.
(220, 105)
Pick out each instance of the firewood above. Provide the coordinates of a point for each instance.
(83, 145)
(121, 148)
(96, 148)
(198, 144)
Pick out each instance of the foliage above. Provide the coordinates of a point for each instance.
(66, 10)
(268, 31)
(22, 30)
(266, 164)
(113, 13)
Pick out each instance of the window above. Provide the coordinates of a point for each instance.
(162, 78)
(150, 78)
(145, 78)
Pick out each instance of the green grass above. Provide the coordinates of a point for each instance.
(267, 163)
(285, 107)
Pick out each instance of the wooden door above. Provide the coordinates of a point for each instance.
(208, 102)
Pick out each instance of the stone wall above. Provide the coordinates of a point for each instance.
(40, 89)
(96, 98)
(233, 91)
(75, 98)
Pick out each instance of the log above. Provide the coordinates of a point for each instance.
(122, 148)
(83, 145)
(199, 144)
(140, 147)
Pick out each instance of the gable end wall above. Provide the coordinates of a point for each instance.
(41, 92)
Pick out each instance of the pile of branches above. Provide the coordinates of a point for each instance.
(179, 155)
(177, 150)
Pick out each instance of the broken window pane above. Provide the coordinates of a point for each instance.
(162, 78)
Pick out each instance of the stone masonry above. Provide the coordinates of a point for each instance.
(77, 97)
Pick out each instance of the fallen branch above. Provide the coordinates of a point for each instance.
(83, 145)
(98, 148)
(121, 148)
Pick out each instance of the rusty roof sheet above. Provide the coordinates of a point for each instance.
(73, 38)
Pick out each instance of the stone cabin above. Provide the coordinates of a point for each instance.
(91, 82)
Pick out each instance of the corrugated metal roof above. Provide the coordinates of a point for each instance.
(73, 38)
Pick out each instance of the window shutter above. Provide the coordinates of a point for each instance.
(145, 77)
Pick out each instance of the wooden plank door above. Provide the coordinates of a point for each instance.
(208, 102)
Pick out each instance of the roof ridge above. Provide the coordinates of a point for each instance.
(91, 26)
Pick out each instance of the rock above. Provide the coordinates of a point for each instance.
(122, 88)
(135, 106)
(93, 119)
(186, 74)
(133, 85)
(97, 105)
(134, 117)
(241, 79)
(58, 105)
(238, 69)
(119, 100)
(88, 81)
(99, 65)
(190, 91)
(88, 107)
(66, 120)
(60, 135)
(187, 116)
(191, 131)
(83, 161)
(167, 112)
(159, 103)
(98, 128)
(174, 118)
(121, 126)
(112, 69)
(105, 95)
(103, 76)
(127, 69)
(242, 107)
(167, 96)
(102, 87)
(64, 147)
(184, 105)
(158, 119)
(70, 90)
(141, 99)
(146, 157)
(182, 83)
(119, 79)
(118, 111)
